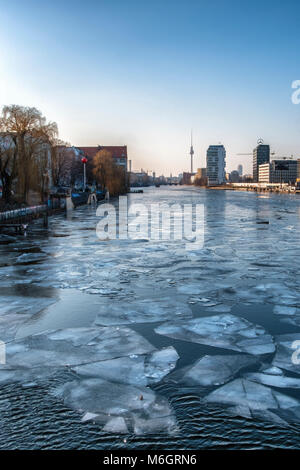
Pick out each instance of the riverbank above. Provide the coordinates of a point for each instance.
(258, 188)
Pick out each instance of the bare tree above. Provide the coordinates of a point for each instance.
(8, 164)
(109, 175)
(62, 158)
(33, 133)
(103, 168)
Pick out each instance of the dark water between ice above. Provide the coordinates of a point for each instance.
(246, 265)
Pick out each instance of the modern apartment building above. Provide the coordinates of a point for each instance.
(215, 164)
(261, 155)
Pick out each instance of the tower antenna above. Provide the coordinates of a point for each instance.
(192, 151)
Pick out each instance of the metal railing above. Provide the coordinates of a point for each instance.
(24, 212)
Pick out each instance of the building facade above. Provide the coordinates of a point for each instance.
(200, 178)
(261, 155)
(118, 153)
(187, 177)
(234, 176)
(215, 164)
(139, 179)
(279, 171)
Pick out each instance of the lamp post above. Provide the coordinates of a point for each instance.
(46, 193)
(84, 161)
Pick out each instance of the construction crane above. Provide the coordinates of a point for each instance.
(259, 142)
(271, 153)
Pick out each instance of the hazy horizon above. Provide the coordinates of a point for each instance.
(145, 74)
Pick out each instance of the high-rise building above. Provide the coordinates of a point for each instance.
(234, 176)
(240, 170)
(261, 155)
(215, 164)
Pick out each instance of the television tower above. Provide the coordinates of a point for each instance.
(192, 152)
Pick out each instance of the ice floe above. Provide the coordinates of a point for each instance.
(113, 367)
(118, 407)
(216, 370)
(221, 331)
(142, 311)
(135, 369)
(16, 310)
(254, 399)
(279, 381)
(284, 310)
(74, 346)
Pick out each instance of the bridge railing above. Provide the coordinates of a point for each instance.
(23, 212)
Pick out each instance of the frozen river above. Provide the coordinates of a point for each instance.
(145, 344)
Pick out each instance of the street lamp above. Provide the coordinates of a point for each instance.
(84, 161)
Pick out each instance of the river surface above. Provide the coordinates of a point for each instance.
(64, 293)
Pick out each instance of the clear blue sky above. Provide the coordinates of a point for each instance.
(144, 73)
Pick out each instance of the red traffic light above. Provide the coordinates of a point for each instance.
(84, 160)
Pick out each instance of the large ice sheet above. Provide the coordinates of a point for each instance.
(118, 406)
(279, 381)
(258, 399)
(113, 366)
(74, 346)
(222, 331)
(216, 370)
(16, 310)
(284, 310)
(142, 311)
(134, 369)
(17, 304)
